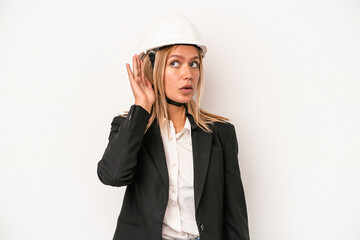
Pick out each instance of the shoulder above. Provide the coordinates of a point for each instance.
(135, 112)
(224, 131)
(226, 135)
(223, 128)
(117, 120)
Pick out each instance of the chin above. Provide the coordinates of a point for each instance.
(184, 99)
(181, 98)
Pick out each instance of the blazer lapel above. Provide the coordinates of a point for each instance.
(201, 145)
(156, 149)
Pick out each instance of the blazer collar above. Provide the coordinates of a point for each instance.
(191, 119)
(201, 146)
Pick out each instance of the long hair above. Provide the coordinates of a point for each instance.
(155, 74)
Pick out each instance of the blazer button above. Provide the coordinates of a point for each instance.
(202, 227)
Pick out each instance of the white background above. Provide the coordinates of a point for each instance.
(285, 72)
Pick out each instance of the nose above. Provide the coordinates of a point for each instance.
(187, 72)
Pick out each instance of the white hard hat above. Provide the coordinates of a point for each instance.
(170, 30)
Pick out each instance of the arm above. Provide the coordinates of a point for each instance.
(235, 214)
(116, 168)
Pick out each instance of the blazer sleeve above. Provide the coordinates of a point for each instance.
(116, 167)
(235, 213)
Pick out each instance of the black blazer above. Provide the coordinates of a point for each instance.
(137, 160)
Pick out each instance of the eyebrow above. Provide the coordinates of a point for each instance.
(181, 57)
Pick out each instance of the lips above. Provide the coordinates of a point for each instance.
(186, 87)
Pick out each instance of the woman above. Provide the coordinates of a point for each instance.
(179, 162)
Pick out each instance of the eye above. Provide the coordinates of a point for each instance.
(194, 64)
(174, 64)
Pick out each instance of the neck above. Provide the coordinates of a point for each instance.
(177, 116)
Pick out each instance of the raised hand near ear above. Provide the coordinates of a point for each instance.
(141, 87)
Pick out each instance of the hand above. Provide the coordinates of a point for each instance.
(141, 87)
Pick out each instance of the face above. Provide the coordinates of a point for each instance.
(182, 73)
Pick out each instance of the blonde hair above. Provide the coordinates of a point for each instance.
(160, 110)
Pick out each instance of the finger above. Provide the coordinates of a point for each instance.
(133, 83)
(131, 76)
(138, 65)
(148, 84)
(135, 66)
(142, 70)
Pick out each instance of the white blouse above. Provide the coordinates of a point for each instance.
(179, 220)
